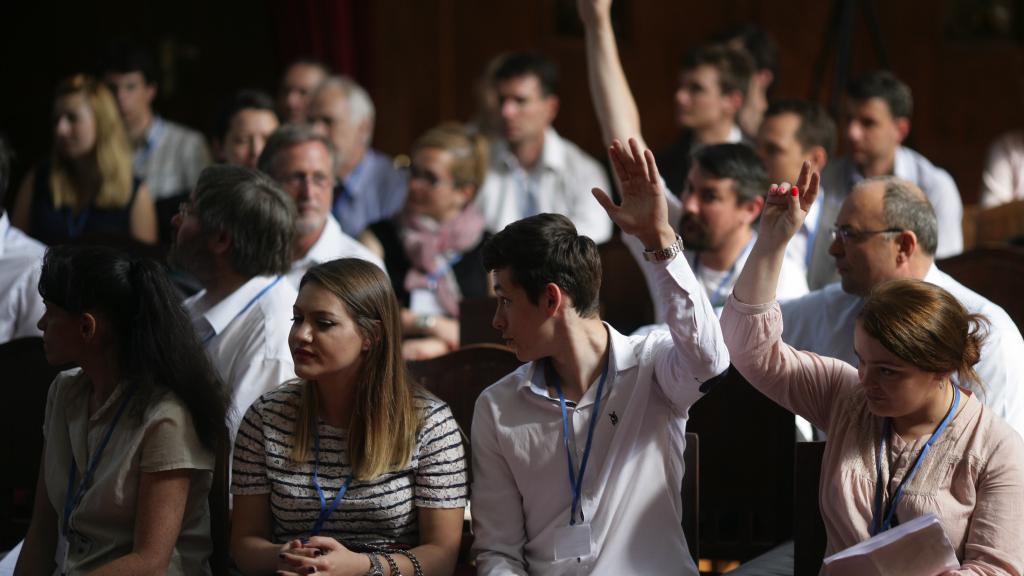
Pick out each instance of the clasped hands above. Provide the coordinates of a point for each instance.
(320, 555)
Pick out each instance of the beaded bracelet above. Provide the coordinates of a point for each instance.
(415, 562)
(391, 563)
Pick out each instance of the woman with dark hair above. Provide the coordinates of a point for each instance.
(351, 467)
(86, 189)
(903, 439)
(432, 248)
(131, 433)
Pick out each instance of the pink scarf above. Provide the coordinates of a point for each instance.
(433, 249)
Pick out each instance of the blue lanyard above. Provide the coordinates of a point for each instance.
(246, 307)
(76, 225)
(325, 511)
(71, 501)
(716, 296)
(576, 482)
(878, 524)
(435, 276)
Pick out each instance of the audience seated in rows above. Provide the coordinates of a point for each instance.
(887, 230)
(879, 106)
(383, 457)
(302, 162)
(85, 190)
(131, 433)
(245, 122)
(620, 512)
(235, 235)
(432, 248)
(910, 338)
(168, 157)
(20, 260)
(533, 169)
(367, 188)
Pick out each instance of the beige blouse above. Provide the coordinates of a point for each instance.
(104, 521)
(972, 479)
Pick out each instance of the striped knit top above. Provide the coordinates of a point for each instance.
(381, 511)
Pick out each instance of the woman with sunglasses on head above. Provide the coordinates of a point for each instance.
(86, 188)
(432, 247)
(131, 433)
(350, 470)
(903, 439)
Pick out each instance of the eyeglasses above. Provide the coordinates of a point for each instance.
(847, 234)
(185, 208)
(426, 176)
(318, 179)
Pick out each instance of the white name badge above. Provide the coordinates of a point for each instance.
(61, 556)
(572, 541)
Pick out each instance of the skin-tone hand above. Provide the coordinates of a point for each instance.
(786, 208)
(644, 211)
(294, 548)
(321, 555)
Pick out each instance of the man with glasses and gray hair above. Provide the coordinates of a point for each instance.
(368, 188)
(234, 234)
(303, 163)
(885, 230)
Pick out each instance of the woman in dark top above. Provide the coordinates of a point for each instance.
(432, 247)
(86, 188)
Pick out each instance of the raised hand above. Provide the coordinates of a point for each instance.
(591, 11)
(786, 207)
(644, 211)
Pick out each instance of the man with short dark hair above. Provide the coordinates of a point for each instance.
(367, 188)
(879, 107)
(794, 132)
(302, 162)
(234, 235)
(168, 156)
(887, 230)
(532, 168)
(764, 53)
(615, 406)
(21, 259)
(298, 82)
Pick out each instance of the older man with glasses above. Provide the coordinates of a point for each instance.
(885, 230)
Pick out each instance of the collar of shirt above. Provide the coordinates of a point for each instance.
(325, 246)
(552, 157)
(735, 135)
(622, 357)
(903, 167)
(220, 315)
(5, 229)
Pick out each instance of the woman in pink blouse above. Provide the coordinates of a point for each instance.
(903, 440)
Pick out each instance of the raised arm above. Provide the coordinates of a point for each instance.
(613, 101)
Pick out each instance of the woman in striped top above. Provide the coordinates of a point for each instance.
(351, 458)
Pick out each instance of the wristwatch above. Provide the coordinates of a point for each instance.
(667, 253)
(376, 569)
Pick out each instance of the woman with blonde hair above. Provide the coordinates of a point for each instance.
(86, 189)
(904, 439)
(432, 247)
(349, 470)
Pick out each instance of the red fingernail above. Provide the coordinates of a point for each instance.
(796, 191)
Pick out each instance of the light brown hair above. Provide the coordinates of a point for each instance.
(384, 424)
(468, 149)
(111, 153)
(925, 326)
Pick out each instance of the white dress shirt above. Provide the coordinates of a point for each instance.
(332, 244)
(631, 489)
(246, 338)
(823, 322)
(560, 183)
(21, 260)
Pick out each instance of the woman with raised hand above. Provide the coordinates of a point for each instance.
(433, 247)
(903, 440)
(131, 433)
(86, 189)
(349, 470)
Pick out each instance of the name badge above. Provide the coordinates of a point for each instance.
(61, 556)
(424, 302)
(572, 541)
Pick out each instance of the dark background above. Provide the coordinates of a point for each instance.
(419, 59)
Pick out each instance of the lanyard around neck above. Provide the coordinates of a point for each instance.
(878, 523)
(248, 305)
(325, 510)
(716, 297)
(73, 497)
(576, 481)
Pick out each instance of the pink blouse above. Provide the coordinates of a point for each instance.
(972, 479)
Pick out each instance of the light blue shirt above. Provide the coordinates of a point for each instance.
(374, 191)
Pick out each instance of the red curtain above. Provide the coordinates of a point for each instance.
(328, 30)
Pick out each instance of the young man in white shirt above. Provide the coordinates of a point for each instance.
(578, 455)
(234, 235)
